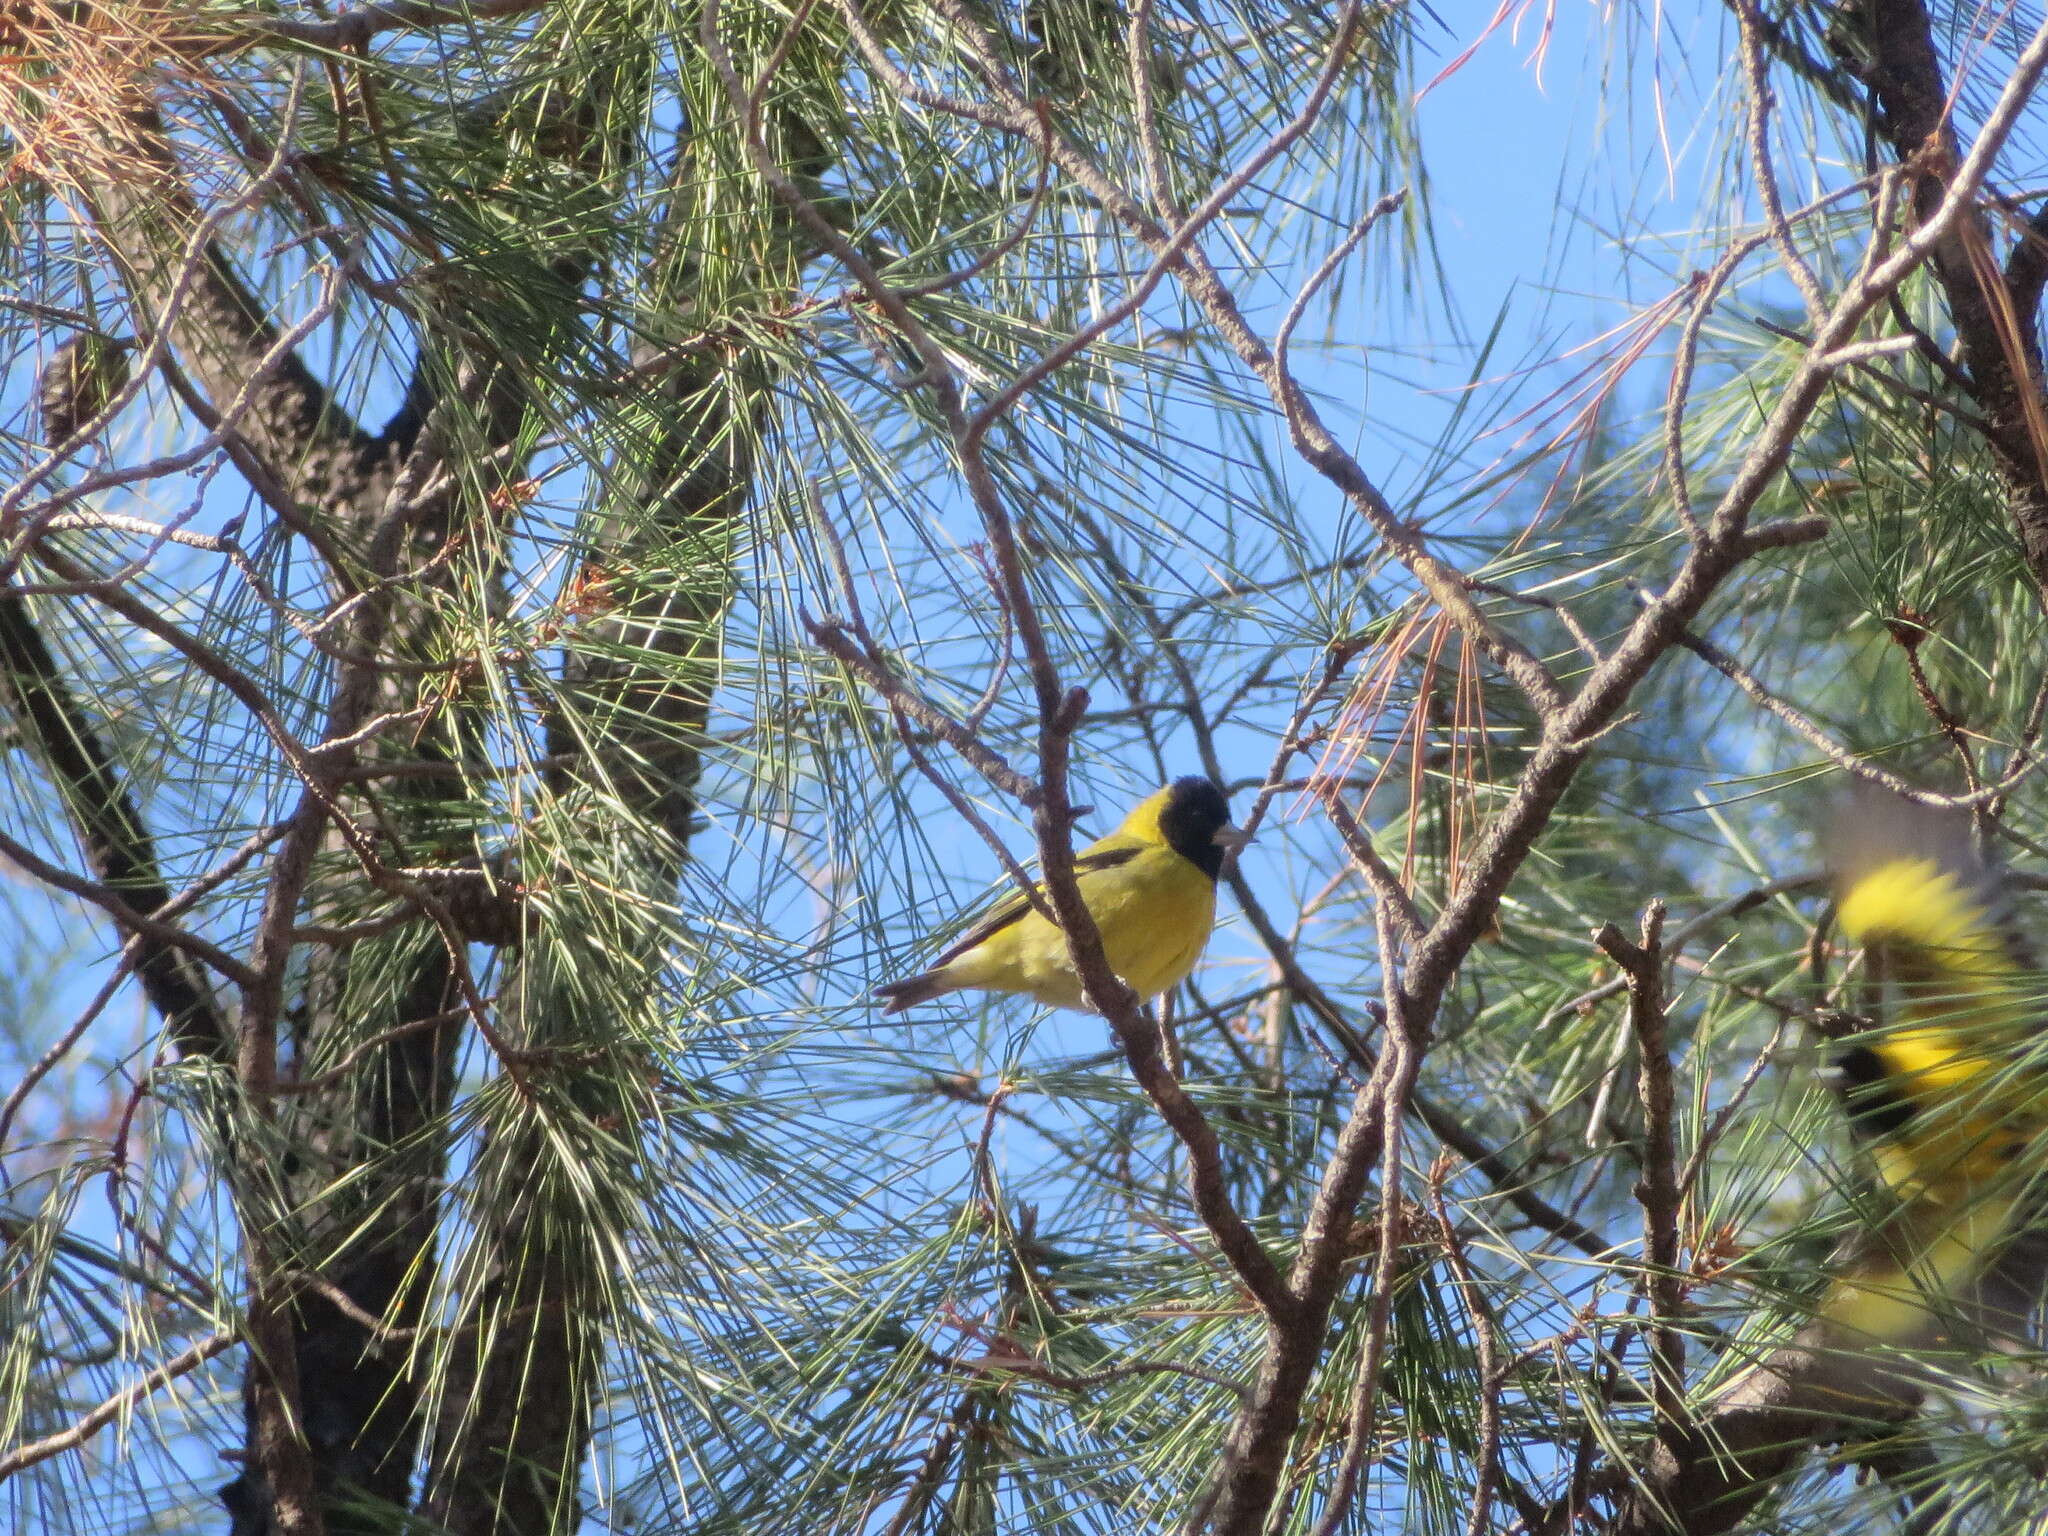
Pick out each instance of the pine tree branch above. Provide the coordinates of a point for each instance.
(118, 846)
(118, 1407)
(1993, 312)
(292, 422)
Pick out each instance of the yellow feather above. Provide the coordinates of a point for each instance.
(1952, 1112)
(1960, 1009)
(1916, 1269)
(1154, 914)
(1153, 904)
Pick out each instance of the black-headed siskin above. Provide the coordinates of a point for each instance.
(1150, 886)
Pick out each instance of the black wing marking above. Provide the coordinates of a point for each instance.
(1014, 906)
(1877, 1107)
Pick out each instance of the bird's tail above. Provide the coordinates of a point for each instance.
(896, 996)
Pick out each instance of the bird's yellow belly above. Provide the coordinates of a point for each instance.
(1970, 1119)
(1154, 915)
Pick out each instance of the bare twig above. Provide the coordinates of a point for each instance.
(1563, 614)
(1386, 886)
(357, 1052)
(1842, 757)
(1486, 1464)
(1909, 637)
(157, 533)
(1404, 1057)
(914, 706)
(1658, 1188)
(119, 1406)
(1725, 1115)
(1706, 290)
(63, 1045)
(1158, 172)
(116, 906)
(1328, 269)
(1760, 102)
(1337, 656)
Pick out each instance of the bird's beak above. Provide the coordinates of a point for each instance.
(1230, 838)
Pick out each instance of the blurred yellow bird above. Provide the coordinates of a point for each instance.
(1150, 886)
(1943, 1096)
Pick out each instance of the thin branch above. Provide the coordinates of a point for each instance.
(1658, 1188)
(116, 906)
(1404, 1055)
(1842, 757)
(156, 533)
(1328, 269)
(1727, 910)
(1909, 637)
(64, 1043)
(1386, 886)
(119, 1406)
(963, 737)
(837, 643)
(334, 1074)
(1564, 616)
(1725, 1115)
(1158, 171)
(1509, 1183)
(1706, 290)
(1760, 102)
(1486, 1464)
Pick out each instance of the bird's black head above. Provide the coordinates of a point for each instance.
(1195, 812)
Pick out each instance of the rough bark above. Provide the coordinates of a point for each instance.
(369, 1245)
(50, 718)
(520, 1407)
(1813, 1391)
(1994, 313)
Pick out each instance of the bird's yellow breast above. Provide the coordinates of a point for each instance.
(1154, 913)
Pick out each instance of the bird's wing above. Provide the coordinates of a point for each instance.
(1013, 907)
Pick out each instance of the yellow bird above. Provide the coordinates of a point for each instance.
(1942, 1096)
(1150, 886)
